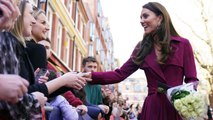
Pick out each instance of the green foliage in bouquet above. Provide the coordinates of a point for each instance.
(178, 94)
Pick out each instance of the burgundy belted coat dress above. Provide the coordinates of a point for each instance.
(179, 68)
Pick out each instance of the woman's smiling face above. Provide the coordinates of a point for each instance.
(29, 20)
(149, 20)
(41, 27)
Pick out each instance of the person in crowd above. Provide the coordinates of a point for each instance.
(13, 84)
(23, 28)
(68, 112)
(131, 113)
(60, 104)
(93, 92)
(36, 52)
(94, 111)
(73, 101)
(165, 57)
(25, 106)
(138, 110)
(109, 97)
(117, 109)
(58, 85)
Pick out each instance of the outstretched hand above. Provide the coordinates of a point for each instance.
(86, 75)
(74, 80)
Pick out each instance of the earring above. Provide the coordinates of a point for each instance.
(158, 27)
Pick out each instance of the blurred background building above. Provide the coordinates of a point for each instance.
(134, 90)
(78, 29)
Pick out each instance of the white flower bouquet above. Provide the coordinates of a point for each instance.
(188, 102)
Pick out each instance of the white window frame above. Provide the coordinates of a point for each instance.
(74, 57)
(59, 36)
(98, 45)
(91, 50)
(67, 49)
(69, 7)
(50, 20)
(92, 31)
(79, 59)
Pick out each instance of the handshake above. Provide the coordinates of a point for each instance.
(75, 80)
(80, 79)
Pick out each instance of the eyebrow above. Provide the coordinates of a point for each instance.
(41, 20)
(143, 14)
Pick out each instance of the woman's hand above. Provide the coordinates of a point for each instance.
(41, 78)
(83, 109)
(104, 108)
(74, 80)
(87, 76)
(9, 13)
(40, 97)
(12, 88)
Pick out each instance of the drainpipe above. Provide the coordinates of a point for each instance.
(76, 11)
(42, 1)
(46, 2)
(38, 5)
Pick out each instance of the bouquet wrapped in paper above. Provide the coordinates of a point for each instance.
(188, 102)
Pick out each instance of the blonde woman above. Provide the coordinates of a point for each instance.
(9, 13)
(35, 52)
(27, 105)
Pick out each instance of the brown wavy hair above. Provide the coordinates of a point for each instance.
(162, 35)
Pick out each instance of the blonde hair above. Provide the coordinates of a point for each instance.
(37, 12)
(19, 25)
(16, 2)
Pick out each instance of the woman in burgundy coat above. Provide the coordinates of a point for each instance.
(164, 56)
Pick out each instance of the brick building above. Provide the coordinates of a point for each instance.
(78, 29)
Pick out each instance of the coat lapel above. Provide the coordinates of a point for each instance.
(151, 60)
